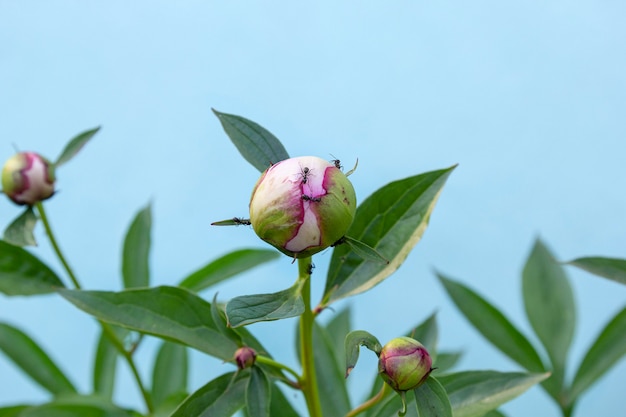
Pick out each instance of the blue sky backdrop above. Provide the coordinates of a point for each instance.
(528, 97)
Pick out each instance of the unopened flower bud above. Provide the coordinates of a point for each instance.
(302, 205)
(28, 178)
(404, 363)
(245, 357)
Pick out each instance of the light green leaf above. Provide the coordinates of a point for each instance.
(20, 231)
(493, 325)
(609, 347)
(431, 399)
(168, 312)
(391, 221)
(330, 377)
(23, 274)
(495, 413)
(222, 397)
(258, 393)
(227, 266)
(366, 252)
(75, 145)
(474, 393)
(610, 268)
(354, 340)
(105, 365)
(78, 406)
(249, 309)
(135, 268)
(169, 374)
(32, 360)
(256, 144)
(338, 328)
(446, 361)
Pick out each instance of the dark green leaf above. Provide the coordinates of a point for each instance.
(219, 318)
(356, 339)
(78, 406)
(23, 274)
(391, 221)
(550, 308)
(169, 375)
(13, 411)
(222, 397)
(227, 266)
(135, 269)
(105, 365)
(494, 413)
(610, 268)
(330, 377)
(75, 145)
(431, 399)
(169, 312)
(31, 359)
(280, 406)
(171, 403)
(366, 252)
(20, 231)
(446, 361)
(609, 347)
(249, 309)
(427, 334)
(256, 144)
(338, 328)
(258, 393)
(474, 393)
(493, 325)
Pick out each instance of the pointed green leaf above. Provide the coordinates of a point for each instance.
(23, 274)
(431, 399)
(13, 411)
(427, 334)
(219, 318)
(610, 268)
(20, 231)
(493, 325)
(258, 393)
(338, 328)
(32, 360)
(280, 406)
(135, 268)
(227, 266)
(446, 361)
(75, 145)
(391, 221)
(256, 144)
(249, 309)
(550, 308)
(105, 365)
(356, 339)
(169, 374)
(330, 377)
(609, 347)
(222, 397)
(168, 312)
(365, 251)
(78, 406)
(474, 393)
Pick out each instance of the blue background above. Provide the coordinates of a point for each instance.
(528, 97)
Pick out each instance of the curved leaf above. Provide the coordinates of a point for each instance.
(169, 312)
(227, 266)
(354, 340)
(431, 399)
(169, 374)
(23, 274)
(258, 393)
(75, 145)
(135, 268)
(20, 231)
(31, 359)
(610, 268)
(222, 397)
(255, 143)
(391, 221)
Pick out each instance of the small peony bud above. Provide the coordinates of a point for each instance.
(404, 363)
(28, 178)
(302, 205)
(245, 357)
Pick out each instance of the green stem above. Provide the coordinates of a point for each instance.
(277, 365)
(309, 378)
(369, 403)
(106, 328)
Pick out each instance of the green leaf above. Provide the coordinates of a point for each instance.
(222, 397)
(608, 348)
(135, 268)
(23, 274)
(446, 361)
(550, 308)
(258, 393)
(78, 406)
(13, 411)
(227, 266)
(391, 221)
(280, 406)
(474, 393)
(256, 144)
(353, 341)
(105, 365)
(494, 413)
(493, 325)
(610, 268)
(219, 318)
(249, 309)
(427, 334)
(168, 312)
(338, 328)
(75, 145)
(20, 231)
(366, 252)
(169, 374)
(431, 399)
(32, 360)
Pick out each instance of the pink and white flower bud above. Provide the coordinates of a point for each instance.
(28, 178)
(302, 205)
(404, 363)
(245, 357)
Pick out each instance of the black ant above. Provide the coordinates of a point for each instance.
(305, 174)
(239, 221)
(309, 198)
(336, 162)
(310, 268)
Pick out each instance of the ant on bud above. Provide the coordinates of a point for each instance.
(305, 174)
(336, 162)
(239, 221)
(309, 198)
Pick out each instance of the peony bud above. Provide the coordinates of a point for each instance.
(245, 357)
(302, 205)
(28, 178)
(404, 363)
